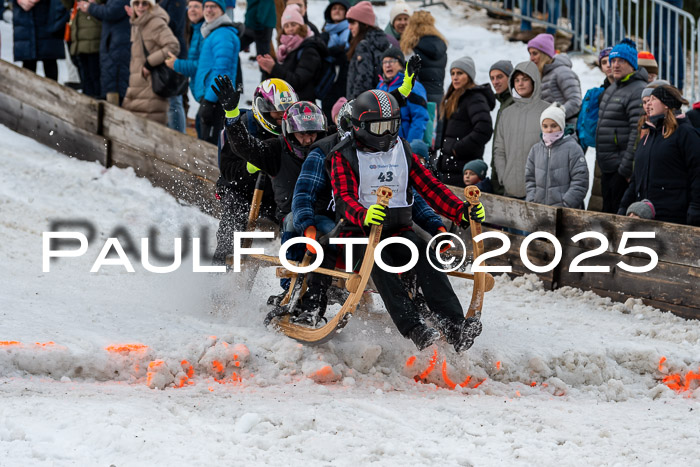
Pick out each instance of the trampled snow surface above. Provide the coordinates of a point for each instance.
(564, 377)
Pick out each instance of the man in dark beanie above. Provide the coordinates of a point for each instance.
(618, 116)
(414, 115)
(499, 74)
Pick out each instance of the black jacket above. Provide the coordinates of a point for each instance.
(465, 133)
(618, 116)
(667, 173)
(433, 54)
(301, 67)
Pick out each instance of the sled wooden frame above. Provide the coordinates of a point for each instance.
(355, 283)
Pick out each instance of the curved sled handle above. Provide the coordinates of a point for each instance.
(472, 194)
(384, 194)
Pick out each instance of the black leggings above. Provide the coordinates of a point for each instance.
(50, 68)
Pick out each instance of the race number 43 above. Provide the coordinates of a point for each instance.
(575, 266)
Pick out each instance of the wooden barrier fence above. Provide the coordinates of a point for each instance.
(91, 130)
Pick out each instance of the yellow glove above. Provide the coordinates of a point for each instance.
(413, 65)
(250, 167)
(375, 215)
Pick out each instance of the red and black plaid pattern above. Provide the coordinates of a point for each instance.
(438, 196)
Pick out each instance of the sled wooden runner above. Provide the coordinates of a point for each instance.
(355, 284)
(472, 194)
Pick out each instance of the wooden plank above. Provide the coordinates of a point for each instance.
(48, 96)
(515, 213)
(52, 131)
(674, 243)
(180, 183)
(682, 311)
(177, 149)
(668, 283)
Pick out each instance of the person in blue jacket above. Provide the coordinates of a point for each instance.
(188, 65)
(115, 44)
(218, 56)
(414, 115)
(38, 28)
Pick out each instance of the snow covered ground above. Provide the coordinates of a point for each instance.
(563, 377)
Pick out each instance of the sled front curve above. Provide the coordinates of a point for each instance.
(356, 284)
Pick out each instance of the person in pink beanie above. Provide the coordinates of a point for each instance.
(367, 45)
(559, 82)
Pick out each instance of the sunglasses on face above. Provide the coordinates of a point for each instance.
(139, 4)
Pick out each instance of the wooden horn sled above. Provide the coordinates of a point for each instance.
(356, 282)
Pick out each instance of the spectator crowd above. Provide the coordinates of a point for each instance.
(647, 155)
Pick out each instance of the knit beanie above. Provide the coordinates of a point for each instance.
(626, 50)
(502, 65)
(544, 43)
(393, 52)
(336, 108)
(292, 14)
(221, 4)
(477, 166)
(399, 8)
(419, 148)
(644, 209)
(647, 60)
(555, 112)
(663, 94)
(646, 92)
(363, 13)
(466, 64)
(604, 53)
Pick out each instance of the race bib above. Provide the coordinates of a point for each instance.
(389, 169)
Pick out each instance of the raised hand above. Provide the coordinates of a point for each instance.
(227, 94)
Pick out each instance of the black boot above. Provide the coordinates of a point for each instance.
(462, 335)
(313, 306)
(275, 300)
(423, 336)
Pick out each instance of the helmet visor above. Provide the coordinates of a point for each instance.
(305, 123)
(384, 127)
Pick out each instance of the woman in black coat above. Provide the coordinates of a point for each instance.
(299, 55)
(38, 28)
(422, 38)
(465, 122)
(667, 161)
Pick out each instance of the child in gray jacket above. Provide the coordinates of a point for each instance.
(556, 172)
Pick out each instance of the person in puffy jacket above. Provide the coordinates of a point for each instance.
(84, 48)
(115, 44)
(298, 55)
(38, 27)
(188, 66)
(559, 82)
(556, 172)
(618, 116)
(465, 122)
(367, 45)
(414, 115)
(218, 56)
(667, 161)
(518, 129)
(151, 40)
(422, 38)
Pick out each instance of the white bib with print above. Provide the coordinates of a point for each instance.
(388, 169)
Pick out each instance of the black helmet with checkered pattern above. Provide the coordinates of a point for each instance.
(376, 120)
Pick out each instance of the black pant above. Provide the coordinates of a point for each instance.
(437, 290)
(50, 67)
(613, 185)
(261, 37)
(234, 217)
(89, 68)
(210, 127)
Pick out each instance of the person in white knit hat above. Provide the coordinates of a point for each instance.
(556, 172)
(398, 19)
